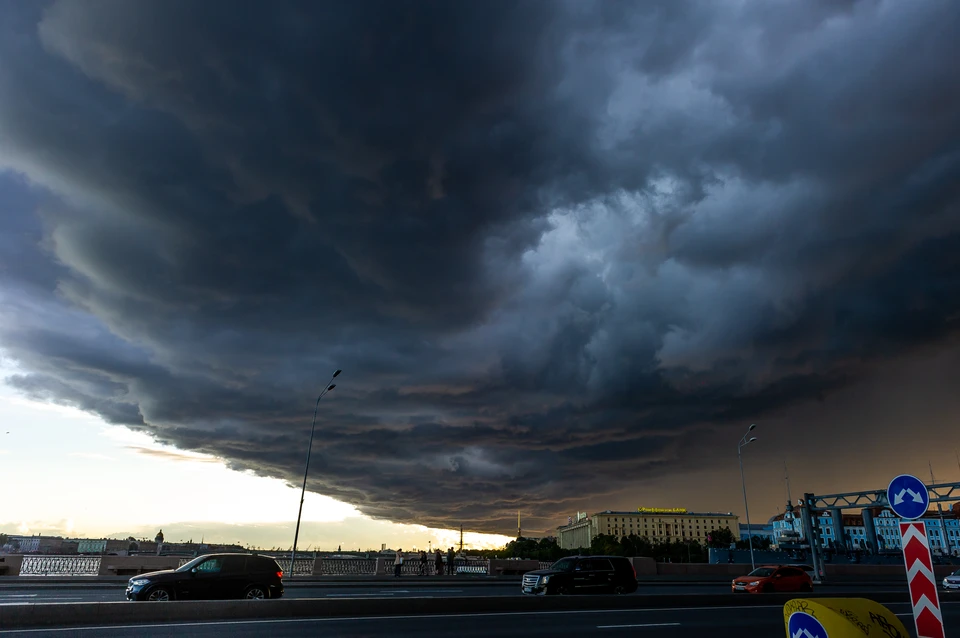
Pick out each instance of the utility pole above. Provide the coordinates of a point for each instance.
(519, 533)
(461, 538)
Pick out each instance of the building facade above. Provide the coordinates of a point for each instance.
(657, 525)
(943, 530)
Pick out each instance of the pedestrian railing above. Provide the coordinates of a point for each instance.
(348, 567)
(60, 566)
(473, 567)
(183, 561)
(413, 567)
(545, 564)
(301, 566)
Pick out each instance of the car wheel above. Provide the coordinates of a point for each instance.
(255, 592)
(160, 595)
(619, 590)
(564, 590)
(807, 587)
(767, 589)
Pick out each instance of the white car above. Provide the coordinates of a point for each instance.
(952, 581)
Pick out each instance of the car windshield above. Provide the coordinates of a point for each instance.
(565, 565)
(762, 572)
(188, 566)
(956, 573)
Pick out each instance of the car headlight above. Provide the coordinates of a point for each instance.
(754, 583)
(139, 582)
(546, 579)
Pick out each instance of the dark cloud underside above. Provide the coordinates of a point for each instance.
(539, 237)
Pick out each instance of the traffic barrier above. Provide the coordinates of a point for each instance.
(117, 613)
(840, 618)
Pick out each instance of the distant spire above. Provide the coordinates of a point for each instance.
(519, 532)
(786, 477)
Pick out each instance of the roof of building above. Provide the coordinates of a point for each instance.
(636, 513)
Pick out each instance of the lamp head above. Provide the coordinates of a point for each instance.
(751, 428)
(337, 373)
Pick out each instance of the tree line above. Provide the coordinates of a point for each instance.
(547, 549)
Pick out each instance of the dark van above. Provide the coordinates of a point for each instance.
(212, 577)
(583, 575)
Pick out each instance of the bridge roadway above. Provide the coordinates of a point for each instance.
(39, 592)
(757, 620)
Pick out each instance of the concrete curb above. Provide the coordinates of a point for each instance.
(124, 613)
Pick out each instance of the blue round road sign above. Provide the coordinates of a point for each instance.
(908, 497)
(803, 625)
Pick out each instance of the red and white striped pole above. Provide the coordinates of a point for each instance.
(921, 580)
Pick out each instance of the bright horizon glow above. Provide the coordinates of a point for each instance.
(76, 475)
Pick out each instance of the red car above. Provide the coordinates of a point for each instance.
(773, 578)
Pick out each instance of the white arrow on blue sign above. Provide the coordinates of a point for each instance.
(803, 625)
(908, 497)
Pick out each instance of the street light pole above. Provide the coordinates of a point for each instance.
(744, 441)
(306, 469)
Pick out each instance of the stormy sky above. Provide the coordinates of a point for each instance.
(564, 252)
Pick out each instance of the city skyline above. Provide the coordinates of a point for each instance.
(564, 253)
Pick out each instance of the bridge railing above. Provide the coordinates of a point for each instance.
(412, 567)
(348, 566)
(60, 566)
(301, 566)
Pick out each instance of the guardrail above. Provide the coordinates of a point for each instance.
(60, 566)
(545, 564)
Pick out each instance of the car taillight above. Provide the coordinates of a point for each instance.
(279, 574)
(634, 570)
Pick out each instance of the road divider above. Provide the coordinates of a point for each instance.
(28, 616)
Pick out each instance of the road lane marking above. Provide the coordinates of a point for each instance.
(18, 595)
(352, 595)
(425, 591)
(654, 624)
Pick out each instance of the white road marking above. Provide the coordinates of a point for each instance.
(421, 591)
(655, 624)
(352, 595)
(18, 595)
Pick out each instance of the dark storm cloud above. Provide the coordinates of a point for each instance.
(559, 248)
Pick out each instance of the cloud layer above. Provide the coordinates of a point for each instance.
(558, 248)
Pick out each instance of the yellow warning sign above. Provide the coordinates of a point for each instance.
(840, 618)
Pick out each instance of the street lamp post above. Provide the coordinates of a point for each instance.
(744, 441)
(303, 491)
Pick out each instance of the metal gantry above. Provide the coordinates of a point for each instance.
(836, 503)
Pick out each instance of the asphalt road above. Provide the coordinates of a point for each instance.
(416, 589)
(759, 620)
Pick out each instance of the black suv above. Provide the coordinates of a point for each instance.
(583, 575)
(211, 577)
